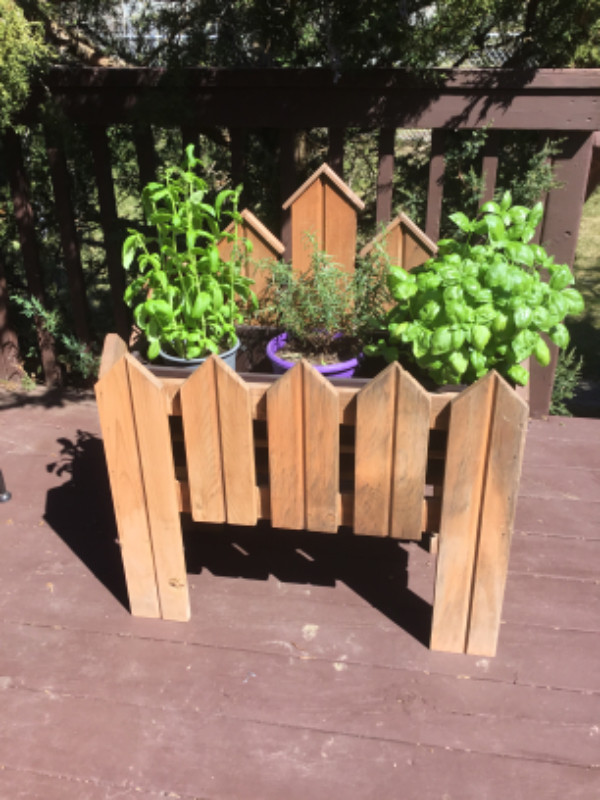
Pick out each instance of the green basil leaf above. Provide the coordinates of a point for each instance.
(462, 221)
(518, 374)
(153, 350)
(506, 201)
(458, 362)
(542, 352)
(441, 341)
(490, 208)
(574, 300)
(561, 277)
(523, 344)
(495, 227)
(480, 336)
(522, 316)
(559, 335)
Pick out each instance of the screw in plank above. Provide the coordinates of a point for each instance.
(4, 495)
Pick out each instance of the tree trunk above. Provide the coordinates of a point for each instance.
(10, 367)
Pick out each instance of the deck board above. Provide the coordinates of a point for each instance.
(304, 670)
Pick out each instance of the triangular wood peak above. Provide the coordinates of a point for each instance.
(326, 172)
(407, 224)
(257, 227)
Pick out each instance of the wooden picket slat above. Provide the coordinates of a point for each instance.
(307, 221)
(237, 445)
(467, 451)
(200, 413)
(339, 228)
(321, 451)
(374, 441)
(507, 441)
(126, 482)
(285, 431)
(411, 442)
(156, 457)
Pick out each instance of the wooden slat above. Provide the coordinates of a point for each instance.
(436, 185)
(321, 451)
(307, 221)
(463, 482)
(154, 443)
(430, 506)
(375, 416)
(199, 407)
(411, 441)
(385, 175)
(126, 483)
(339, 226)
(113, 349)
(237, 446)
(507, 441)
(489, 166)
(439, 415)
(286, 450)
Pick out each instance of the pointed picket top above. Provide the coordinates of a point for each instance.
(392, 433)
(405, 243)
(113, 350)
(237, 445)
(200, 417)
(253, 229)
(325, 172)
(323, 215)
(265, 247)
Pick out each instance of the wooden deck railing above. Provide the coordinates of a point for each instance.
(383, 457)
(557, 103)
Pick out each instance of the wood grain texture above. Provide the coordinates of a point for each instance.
(467, 447)
(507, 441)
(285, 431)
(374, 441)
(411, 440)
(339, 228)
(113, 349)
(307, 220)
(127, 487)
(200, 413)
(237, 445)
(156, 456)
(321, 451)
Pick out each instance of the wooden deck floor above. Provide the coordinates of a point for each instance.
(304, 672)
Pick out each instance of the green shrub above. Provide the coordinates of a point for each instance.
(481, 303)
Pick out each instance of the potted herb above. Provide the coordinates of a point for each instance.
(481, 302)
(326, 314)
(184, 294)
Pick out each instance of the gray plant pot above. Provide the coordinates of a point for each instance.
(190, 364)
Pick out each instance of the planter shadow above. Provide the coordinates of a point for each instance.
(376, 570)
(80, 511)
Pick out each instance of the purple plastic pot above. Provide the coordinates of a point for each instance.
(341, 369)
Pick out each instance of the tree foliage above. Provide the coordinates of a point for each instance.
(21, 51)
(341, 34)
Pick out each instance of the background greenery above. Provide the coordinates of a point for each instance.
(284, 33)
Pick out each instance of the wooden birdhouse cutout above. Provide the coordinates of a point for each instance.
(404, 242)
(265, 248)
(323, 214)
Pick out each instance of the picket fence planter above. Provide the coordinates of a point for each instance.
(382, 456)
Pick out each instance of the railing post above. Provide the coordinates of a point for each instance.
(435, 190)
(560, 230)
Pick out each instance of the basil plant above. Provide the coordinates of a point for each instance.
(481, 303)
(184, 293)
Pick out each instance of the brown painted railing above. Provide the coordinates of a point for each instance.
(563, 103)
(383, 457)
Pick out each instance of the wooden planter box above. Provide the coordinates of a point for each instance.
(382, 456)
